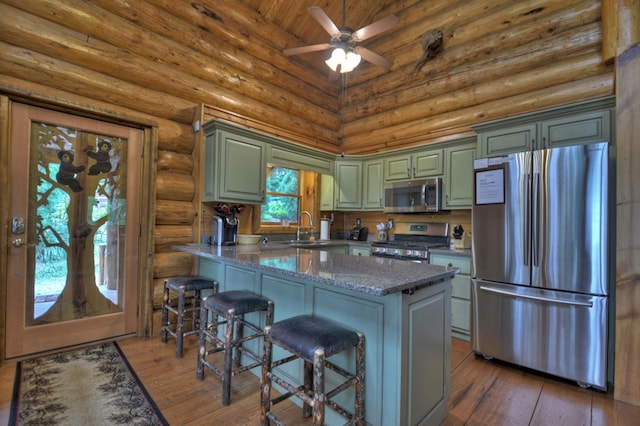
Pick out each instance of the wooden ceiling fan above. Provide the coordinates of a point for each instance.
(346, 53)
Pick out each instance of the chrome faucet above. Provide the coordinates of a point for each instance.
(304, 212)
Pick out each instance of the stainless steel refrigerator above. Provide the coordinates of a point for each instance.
(540, 289)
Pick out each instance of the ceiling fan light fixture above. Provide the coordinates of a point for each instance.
(346, 60)
(351, 60)
(338, 57)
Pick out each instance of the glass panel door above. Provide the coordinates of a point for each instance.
(74, 265)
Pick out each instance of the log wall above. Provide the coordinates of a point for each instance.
(164, 59)
(499, 58)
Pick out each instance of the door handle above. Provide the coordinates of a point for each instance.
(18, 242)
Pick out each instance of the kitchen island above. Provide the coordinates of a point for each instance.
(403, 308)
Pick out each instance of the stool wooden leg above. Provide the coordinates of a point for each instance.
(165, 313)
(360, 368)
(180, 325)
(265, 379)
(307, 373)
(239, 333)
(202, 342)
(318, 388)
(228, 357)
(195, 315)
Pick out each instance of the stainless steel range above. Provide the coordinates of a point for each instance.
(412, 241)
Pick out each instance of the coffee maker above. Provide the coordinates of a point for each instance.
(359, 232)
(224, 229)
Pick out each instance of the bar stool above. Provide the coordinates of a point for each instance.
(231, 306)
(313, 339)
(186, 287)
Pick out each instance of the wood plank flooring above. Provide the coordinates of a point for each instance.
(482, 392)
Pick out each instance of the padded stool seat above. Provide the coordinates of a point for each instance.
(231, 306)
(304, 334)
(186, 287)
(312, 339)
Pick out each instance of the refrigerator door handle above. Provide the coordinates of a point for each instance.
(527, 219)
(535, 232)
(538, 298)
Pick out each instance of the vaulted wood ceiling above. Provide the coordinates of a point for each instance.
(294, 18)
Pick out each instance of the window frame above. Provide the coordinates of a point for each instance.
(308, 199)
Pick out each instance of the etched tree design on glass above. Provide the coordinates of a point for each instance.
(78, 185)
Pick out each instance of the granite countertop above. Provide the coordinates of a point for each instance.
(376, 276)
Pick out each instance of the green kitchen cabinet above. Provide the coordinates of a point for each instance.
(414, 165)
(460, 291)
(372, 185)
(508, 140)
(235, 165)
(327, 200)
(578, 124)
(458, 174)
(576, 130)
(348, 185)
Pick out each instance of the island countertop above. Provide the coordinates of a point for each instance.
(377, 276)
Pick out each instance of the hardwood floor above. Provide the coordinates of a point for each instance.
(482, 392)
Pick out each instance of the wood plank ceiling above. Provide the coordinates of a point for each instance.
(294, 18)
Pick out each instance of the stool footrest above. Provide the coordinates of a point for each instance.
(276, 421)
(291, 391)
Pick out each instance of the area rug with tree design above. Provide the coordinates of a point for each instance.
(88, 386)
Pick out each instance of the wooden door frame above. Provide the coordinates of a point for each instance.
(147, 196)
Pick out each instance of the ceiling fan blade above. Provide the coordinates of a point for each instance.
(373, 57)
(324, 20)
(306, 49)
(377, 27)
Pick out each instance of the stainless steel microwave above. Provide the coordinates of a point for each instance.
(413, 196)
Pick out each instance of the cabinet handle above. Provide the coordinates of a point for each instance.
(408, 171)
(414, 171)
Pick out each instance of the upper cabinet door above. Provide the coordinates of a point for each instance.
(348, 185)
(428, 163)
(372, 191)
(458, 177)
(397, 168)
(327, 200)
(235, 168)
(577, 130)
(416, 165)
(508, 140)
